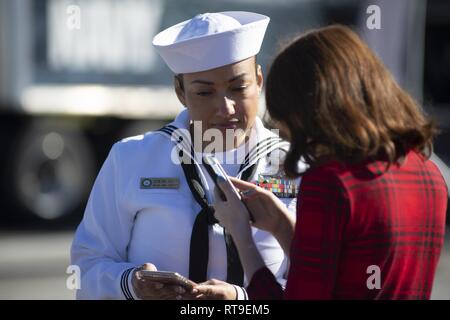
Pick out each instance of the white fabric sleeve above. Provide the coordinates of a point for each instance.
(133, 295)
(99, 247)
(241, 293)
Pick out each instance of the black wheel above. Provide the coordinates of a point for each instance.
(51, 169)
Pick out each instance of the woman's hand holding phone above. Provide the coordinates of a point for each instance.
(217, 173)
(232, 212)
(148, 284)
(269, 213)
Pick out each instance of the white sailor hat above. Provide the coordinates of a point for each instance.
(211, 40)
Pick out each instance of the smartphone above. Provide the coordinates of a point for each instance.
(215, 170)
(168, 277)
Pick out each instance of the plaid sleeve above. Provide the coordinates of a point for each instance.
(322, 214)
(264, 286)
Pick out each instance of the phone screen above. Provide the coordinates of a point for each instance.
(167, 277)
(215, 170)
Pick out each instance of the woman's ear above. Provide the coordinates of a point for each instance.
(179, 89)
(259, 78)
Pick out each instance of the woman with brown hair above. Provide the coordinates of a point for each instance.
(371, 207)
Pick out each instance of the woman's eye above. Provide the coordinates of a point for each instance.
(203, 93)
(242, 88)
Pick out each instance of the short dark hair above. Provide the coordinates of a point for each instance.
(338, 102)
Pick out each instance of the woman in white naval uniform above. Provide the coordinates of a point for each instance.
(148, 211)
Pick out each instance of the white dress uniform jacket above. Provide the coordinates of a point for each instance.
(125, 225)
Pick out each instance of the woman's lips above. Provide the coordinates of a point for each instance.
(227, 125)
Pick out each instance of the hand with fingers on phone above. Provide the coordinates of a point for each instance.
(264, 206)
(269, 213)
(214, 289)
(146, 288)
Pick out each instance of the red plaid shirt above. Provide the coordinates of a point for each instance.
(350, 218)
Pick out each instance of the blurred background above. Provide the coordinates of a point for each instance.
(76, 76)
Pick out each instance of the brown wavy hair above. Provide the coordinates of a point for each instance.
(338, 102)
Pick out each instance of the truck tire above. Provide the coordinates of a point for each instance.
(51, 171)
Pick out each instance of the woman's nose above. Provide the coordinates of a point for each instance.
(227, 107)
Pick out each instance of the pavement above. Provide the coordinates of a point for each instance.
(33, 265)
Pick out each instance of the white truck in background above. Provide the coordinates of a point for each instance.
(67, 93)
